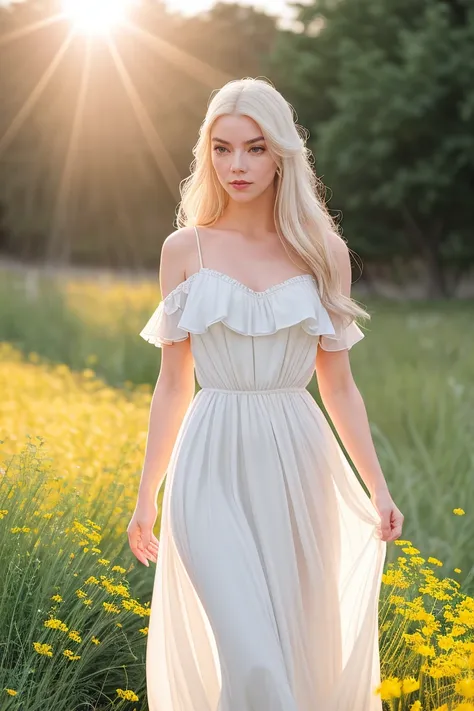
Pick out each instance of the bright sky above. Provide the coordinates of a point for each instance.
(279, 8)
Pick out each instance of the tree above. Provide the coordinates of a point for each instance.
(388, 96)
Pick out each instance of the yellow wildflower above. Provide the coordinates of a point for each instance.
(44, 649)
(390, 688)
(55, 624)
(127, 694)
(108, 607)
(465, 687)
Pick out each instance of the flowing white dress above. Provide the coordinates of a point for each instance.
(269, 568)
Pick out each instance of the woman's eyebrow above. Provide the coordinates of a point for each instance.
(251, 140)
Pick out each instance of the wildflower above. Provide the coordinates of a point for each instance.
(103, 561)
(127, 694)
(91, 581)
(144, 630)
(118, 569)
(459, 512)
(457, 570)
(416, 706)
(71, 656)
(426, 650)
(55, 624)
(395, 578)
(465, 687)
(390, 688)
(108, 607)
(94, 640)
(11, 692)
(57, 598)
(93, 525)
(75, 636)
(434, 561)
(44, 649)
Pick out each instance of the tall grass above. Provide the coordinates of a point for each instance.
(72, 633)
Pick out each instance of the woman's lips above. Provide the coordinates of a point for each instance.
(240, 186)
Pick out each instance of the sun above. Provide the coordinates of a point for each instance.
(96, 16)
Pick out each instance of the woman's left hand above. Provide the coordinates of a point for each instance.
(390, 516)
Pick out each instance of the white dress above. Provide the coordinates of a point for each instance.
(269, 568)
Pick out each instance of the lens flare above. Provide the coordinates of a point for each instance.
(96, 16)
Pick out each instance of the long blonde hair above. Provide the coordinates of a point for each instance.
(300, 214)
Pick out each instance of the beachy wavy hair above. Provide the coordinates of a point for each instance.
(301, 217)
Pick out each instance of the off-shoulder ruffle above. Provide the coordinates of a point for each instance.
(344, 338)
(209, 297)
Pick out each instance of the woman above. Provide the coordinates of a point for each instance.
(271, 553)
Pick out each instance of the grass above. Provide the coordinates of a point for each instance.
(76, 383)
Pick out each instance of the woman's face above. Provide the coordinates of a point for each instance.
(239, 153)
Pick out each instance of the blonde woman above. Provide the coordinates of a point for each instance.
(271, 553)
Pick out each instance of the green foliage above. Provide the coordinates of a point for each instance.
(388, 95)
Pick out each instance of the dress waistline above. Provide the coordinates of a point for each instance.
(263, 391)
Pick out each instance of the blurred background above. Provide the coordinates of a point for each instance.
(101, 103)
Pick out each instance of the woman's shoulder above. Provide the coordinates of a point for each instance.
(178, 242)
(175, 258)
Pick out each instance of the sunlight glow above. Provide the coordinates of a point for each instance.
(96, 16)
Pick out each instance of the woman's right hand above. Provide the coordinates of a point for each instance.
(143, 542)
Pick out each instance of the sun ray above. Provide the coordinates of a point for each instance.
(29, 29)
(60, 211)
(35, 95)
(197, 69)
(156, 145)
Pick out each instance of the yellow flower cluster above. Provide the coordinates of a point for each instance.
(96, 434)
(127, 694)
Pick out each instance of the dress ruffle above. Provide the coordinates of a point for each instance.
(209, 297)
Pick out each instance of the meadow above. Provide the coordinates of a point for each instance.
(76, 382)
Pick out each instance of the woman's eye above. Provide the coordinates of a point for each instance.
(258, 148)
(217, 149)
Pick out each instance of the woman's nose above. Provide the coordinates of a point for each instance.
(238, 161)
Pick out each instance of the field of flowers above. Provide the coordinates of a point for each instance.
(76, 382)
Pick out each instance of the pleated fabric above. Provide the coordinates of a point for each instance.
(269, 569)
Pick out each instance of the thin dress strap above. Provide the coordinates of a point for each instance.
(198, 246)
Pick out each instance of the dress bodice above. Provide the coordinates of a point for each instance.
(243, 339)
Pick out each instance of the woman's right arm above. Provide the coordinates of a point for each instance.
(173, 393)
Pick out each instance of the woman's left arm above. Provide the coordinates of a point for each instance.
(345, 405)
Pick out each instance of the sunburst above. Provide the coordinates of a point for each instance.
(96, 16)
